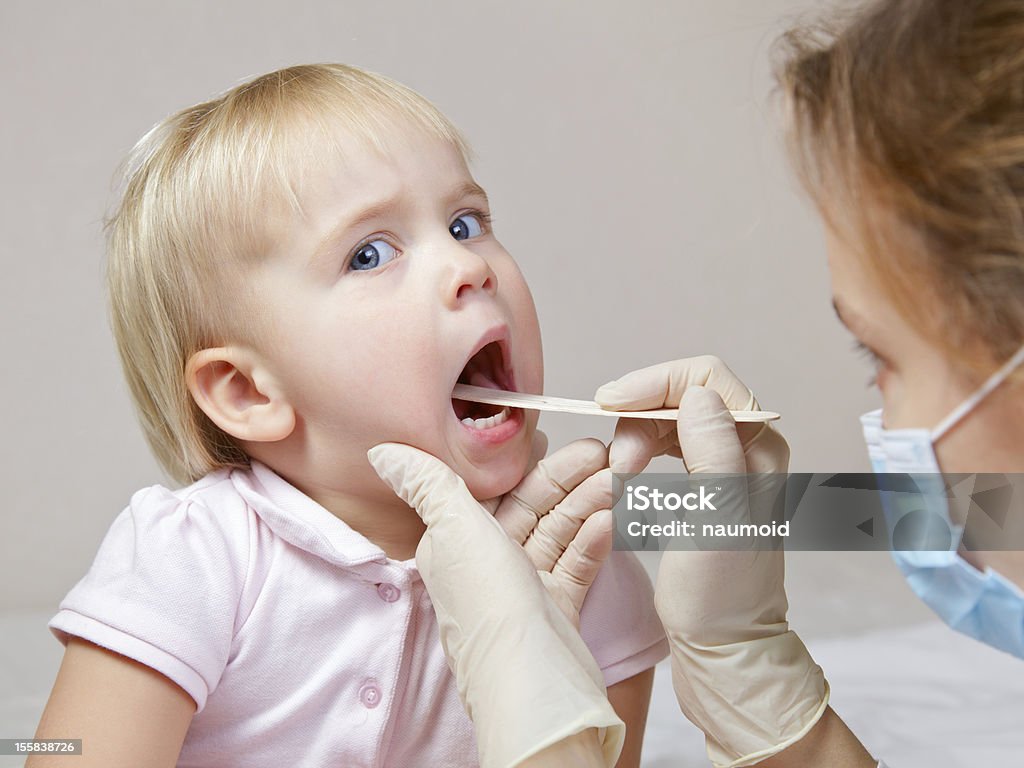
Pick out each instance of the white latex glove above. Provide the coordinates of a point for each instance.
(561, 515)
(740, 674)
(523, 672)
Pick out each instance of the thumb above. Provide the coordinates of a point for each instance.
(707, 434)
(422, 481)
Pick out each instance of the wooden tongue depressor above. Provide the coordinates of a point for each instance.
(582, 407)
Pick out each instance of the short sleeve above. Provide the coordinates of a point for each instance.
(164, 588)
(618, 621)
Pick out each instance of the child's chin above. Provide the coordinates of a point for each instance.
(489, 488)
(500, 476)
(488, 485)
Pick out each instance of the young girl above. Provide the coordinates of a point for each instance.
(299, 270)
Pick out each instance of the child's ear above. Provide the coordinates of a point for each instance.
(239, 395)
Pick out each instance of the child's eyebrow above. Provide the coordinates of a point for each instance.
(375, 211)
(470, 189)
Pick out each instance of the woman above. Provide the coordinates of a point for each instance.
(908, 128)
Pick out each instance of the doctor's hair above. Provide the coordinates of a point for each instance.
(906, 124)
(202, 193)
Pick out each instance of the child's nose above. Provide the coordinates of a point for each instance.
(467, 272)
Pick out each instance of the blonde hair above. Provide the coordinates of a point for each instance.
(200, 190)
(908, 130)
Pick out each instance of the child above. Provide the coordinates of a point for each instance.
(299, 270)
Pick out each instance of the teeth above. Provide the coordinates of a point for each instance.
(490, 421)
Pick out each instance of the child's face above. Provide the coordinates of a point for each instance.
(377, 297)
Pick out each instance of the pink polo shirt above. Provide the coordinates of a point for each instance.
(300, 641)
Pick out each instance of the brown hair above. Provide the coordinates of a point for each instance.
(908, 131)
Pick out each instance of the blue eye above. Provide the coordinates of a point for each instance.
(468, 225)
(372, 255)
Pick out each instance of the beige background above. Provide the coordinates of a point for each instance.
(635, 164)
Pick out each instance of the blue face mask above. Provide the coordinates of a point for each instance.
(986, 606)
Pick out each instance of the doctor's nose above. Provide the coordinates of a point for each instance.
(466, 273)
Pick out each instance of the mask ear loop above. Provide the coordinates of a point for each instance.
(982, 392)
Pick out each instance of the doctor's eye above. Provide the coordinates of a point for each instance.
(876, 362)
(468, 225)
(372, 255)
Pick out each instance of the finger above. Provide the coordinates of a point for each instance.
(637, 441)
(547, 484)
(707, 434)
(422, 481)
(766, 452)
(579, 565)
(662, 385)
(556, 530)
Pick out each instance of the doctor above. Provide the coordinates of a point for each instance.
(908, 130)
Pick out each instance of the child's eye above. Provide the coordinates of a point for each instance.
(468, 225)
(372, 255)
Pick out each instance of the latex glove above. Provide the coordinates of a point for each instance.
(739, 672)
(523, 672)
(561, 514)
(637, 441)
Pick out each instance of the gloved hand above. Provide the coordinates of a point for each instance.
(524, 674)
(561, 515)
(740, 674)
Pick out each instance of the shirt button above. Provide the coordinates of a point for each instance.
(369, 694)
(388, 592)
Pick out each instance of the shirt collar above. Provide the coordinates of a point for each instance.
(301, 521)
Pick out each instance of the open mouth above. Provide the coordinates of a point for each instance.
(487, 368)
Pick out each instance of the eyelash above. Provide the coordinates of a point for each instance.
(486, 219)
(364, 242)
(866, 352)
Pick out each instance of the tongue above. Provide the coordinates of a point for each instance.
(465, 408)
(480, 379)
